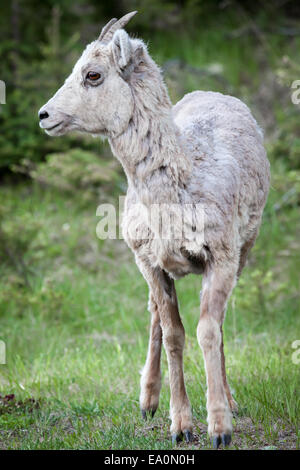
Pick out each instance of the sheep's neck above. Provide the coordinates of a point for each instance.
(151, 153)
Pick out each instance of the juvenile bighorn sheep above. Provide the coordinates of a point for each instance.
(207, 151)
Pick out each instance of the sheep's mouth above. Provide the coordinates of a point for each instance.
(53, 127)
(60, 128)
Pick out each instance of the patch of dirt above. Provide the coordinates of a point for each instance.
(9, 404)
(246, 435)
(251, 436)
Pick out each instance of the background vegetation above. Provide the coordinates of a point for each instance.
(73, 308)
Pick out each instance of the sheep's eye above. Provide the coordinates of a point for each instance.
(93, 76)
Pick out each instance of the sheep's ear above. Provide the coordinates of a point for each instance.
(122, 50)
(127, 56)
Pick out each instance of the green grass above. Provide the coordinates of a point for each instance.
(76, 337)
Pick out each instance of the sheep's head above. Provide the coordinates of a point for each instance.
(97, 97)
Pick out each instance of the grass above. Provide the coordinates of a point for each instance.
(77, 337)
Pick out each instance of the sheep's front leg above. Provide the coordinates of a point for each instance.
(151, 375)
(164, 295)
(173, 339)
(217, 285)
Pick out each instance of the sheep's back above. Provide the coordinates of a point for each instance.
(231, 171)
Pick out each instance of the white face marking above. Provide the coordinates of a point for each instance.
(94, 98)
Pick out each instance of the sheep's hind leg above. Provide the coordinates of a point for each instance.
(151, 375)
(245, 252)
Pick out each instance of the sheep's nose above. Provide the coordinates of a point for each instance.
(43, 115)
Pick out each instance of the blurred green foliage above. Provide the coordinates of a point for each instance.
(37, 50)
(211, 41)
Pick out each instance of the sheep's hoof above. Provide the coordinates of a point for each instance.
(176, 438)
(224, 439)
(145, 412)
